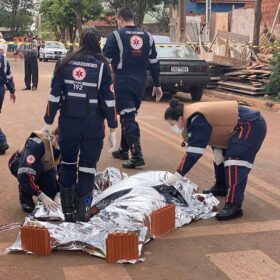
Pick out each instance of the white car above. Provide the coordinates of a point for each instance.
(52, 50)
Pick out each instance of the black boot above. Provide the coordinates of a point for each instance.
(26, 201)
(3, 148)
(137, 159)
(82, 206)
(217, 190)
(120, 154)
(230, 211)
(67, 203)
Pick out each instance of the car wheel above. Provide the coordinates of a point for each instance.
(40, 58)
(196, 93)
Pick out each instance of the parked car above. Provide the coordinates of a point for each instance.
(161, 39)
(180, 70)
(52, 50)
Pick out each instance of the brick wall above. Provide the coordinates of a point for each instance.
(269, 8)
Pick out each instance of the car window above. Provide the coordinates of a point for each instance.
(175, 52)
(54, 46)
(161, 39)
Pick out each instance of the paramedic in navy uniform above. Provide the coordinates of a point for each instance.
(81, 91)
(131, 52)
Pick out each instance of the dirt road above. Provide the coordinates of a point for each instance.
(247, 247)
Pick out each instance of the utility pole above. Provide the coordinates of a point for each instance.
(208, 18)
(257, 25)
(182, 16)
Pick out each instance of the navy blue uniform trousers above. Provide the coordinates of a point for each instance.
(77, 139)
(239, 158)
(3, 139)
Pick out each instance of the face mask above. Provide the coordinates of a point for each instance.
(176, 129)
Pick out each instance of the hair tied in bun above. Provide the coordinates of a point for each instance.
(174, 102)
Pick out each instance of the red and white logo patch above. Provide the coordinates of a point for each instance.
(79, 73)
(30, 159)
(136, 42)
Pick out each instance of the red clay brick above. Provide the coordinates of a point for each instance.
(121, 246)
(163, 221)
(36, 240)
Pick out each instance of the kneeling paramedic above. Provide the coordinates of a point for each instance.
(81, 90)
(35, 167)
(235, 133)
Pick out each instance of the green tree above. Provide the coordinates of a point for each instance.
(274, 81)
(17, 15)
(69, 15)
(85, 10)
(58, 15)
(140, 8)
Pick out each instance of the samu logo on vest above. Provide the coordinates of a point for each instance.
(79, 73)
(136, 42)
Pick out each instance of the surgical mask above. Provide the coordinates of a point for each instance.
(177, 129)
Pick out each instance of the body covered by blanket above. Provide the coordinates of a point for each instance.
(125, 206)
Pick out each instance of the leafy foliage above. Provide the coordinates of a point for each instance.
(17, 15)
(62, 15)
(274, 81)
(140, 7)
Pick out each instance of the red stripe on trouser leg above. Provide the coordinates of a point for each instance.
(181, 165)
(229, 183)
(235, 183)
(33, 185)
(249, 130)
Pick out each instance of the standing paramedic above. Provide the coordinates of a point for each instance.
(6, 80)
(131, 52)
(81, 90)
(235, 133)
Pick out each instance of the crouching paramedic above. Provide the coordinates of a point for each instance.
(236, 134)
(81, 90)
(34, 165)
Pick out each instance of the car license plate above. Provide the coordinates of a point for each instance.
(179, 69)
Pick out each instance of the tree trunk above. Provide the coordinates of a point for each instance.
(140, 12)
(257, 24)
(70, 30)
(127, 3)
(63, 33)
(74, 33)
(79, 24)
(182, 15)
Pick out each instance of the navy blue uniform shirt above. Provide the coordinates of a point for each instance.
(199, 134)
(82, 90)
(131, 51)
(6, 77)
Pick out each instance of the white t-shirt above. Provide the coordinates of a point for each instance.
(4, 46)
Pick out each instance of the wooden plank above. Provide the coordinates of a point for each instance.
(243, 91)
(226, 61)
(239, 86)
(242, 39)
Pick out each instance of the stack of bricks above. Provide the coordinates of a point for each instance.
(162, 221)
(121, 246)
(36, 240)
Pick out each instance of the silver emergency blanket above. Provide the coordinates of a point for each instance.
(125, 205)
